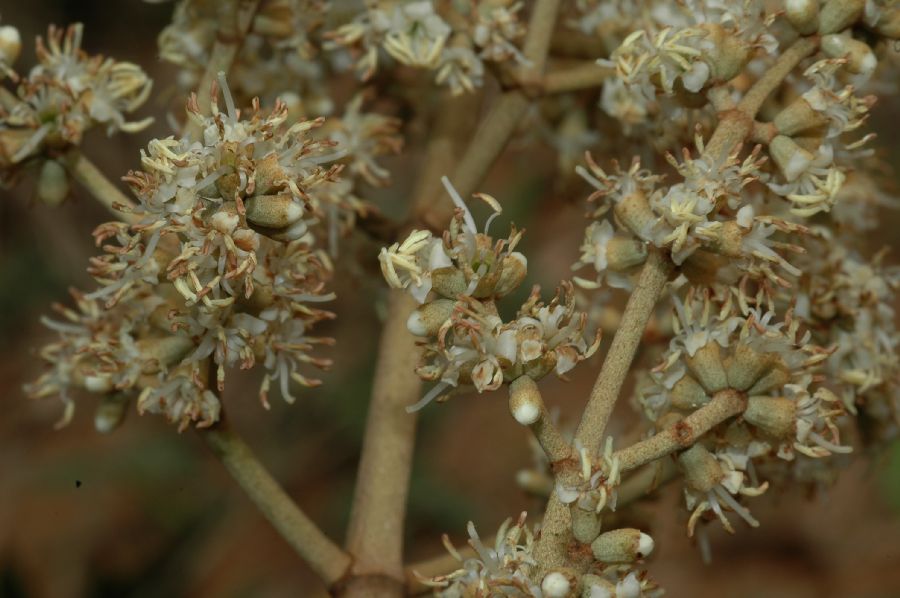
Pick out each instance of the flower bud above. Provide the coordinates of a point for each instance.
(803, 15)
(701, 470)
(52, 183)
(860, 58)
(636, 215)
(726, 239)
(593, 586)
(730, 55)
(10, 45)
(163, 351)
(525, 402)
(747, 366)
(775, 378)
(557, 584)
(623, 253)
(837, 15)
(273, 211)
(706, 366)
(888, 24)
(110, 412)
(586, 523)
(428, 318)
(268, 172)
(448, 282)
(791, 159)
(622, 546)
(513, 269)
(772, 415)
(688, 394)
(797, 117)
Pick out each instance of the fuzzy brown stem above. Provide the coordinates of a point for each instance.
(621, 352)
(684, 433)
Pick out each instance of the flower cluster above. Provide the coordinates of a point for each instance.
(671, 53)
(468, 343)
(508, 568)
(64, 95)
(274, 59)
(708, 222)
(223, 264)
(723, 345)
(455, 46)
(848, 303)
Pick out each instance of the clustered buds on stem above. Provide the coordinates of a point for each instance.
(224, 262)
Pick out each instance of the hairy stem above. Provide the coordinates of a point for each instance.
(681, 435)
(91, 178)
(500, 122)
(736, 125)
(375, 535)
(575, 78)
(235, 18)
(617, 362)
(376, 524)
(323, 556)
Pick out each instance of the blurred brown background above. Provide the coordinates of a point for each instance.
(147, 512)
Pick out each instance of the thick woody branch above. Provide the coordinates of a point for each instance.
(323, 556)
(684, 433)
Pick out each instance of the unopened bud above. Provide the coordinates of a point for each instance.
(772, 415)
(557, 584)
(594, 586)
(747, 366)
(428, 318)
(803, 15)
(730, 54)
(10, 44)
(268, 171)
(448, 282)
(52, 183)
(888, 23)
(726, 239)
(163, 351)
(775, 378)
(110, 412)
(513, 269)
(706, 366)
(799, 116)
(586, 523)
(701, 470)
(636, 215)
(688, 394)
(273, 211)
(860, 58)
(622, 546)
(623, 253)
(837, 15)
(525, 402)
(791, 159)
